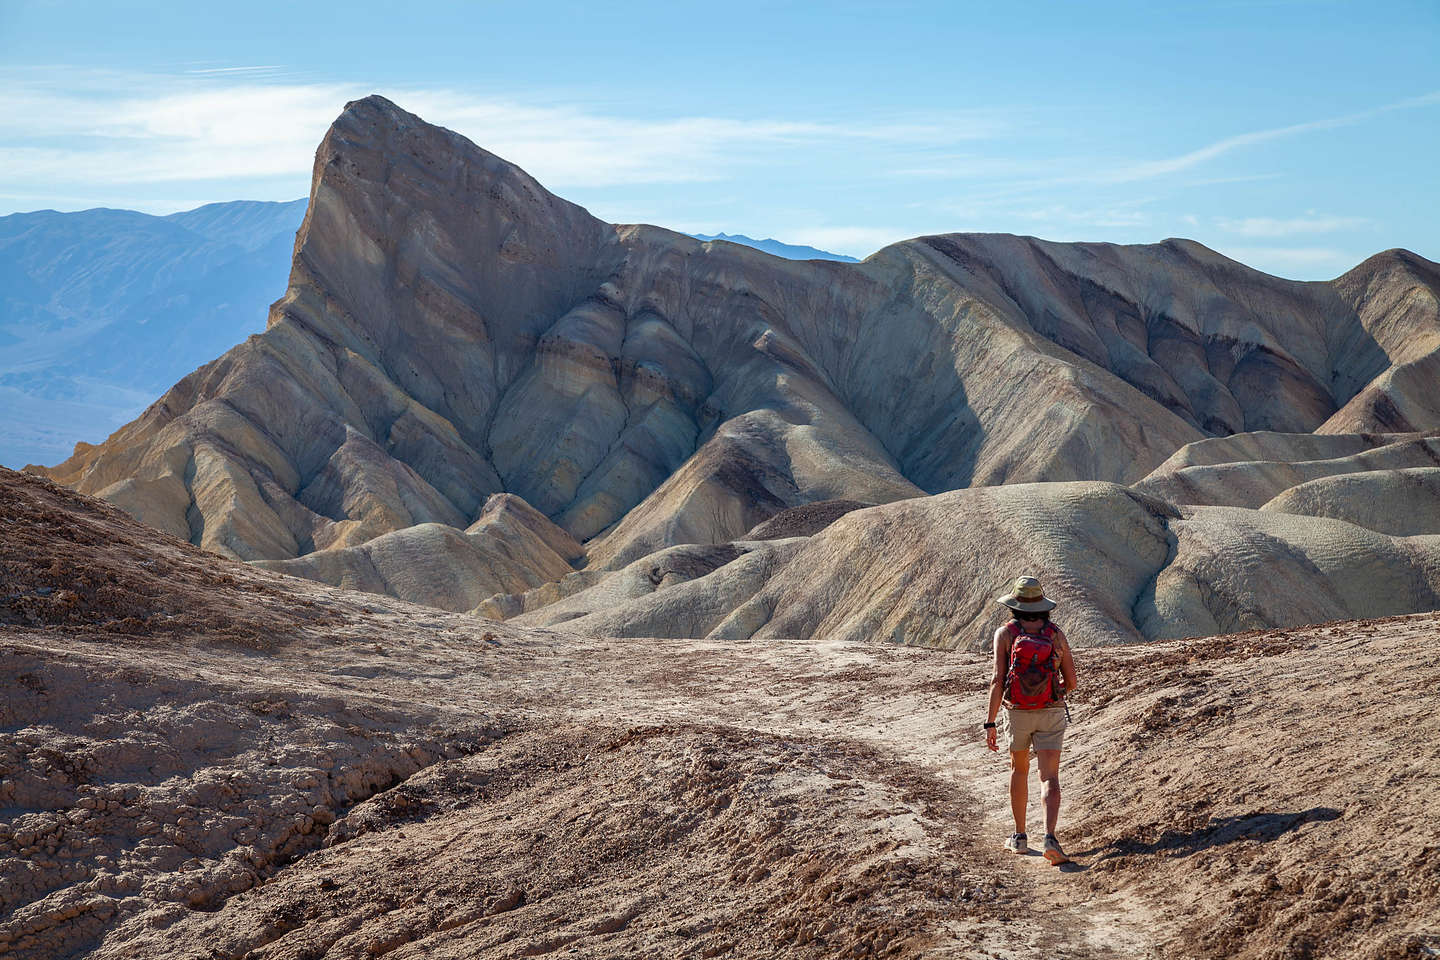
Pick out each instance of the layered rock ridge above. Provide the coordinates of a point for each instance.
(1124, 565)
(512, 547)
(452, 331)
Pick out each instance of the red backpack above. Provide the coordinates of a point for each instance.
(1033, 680)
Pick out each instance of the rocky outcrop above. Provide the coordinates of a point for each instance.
(1401, 503)
(1125, 566)
(1396, 296)
(926, 570)
(1235, 569)
(671, 593)
(804, 521)
(1264, 467)
(452, 330)
(75, 563)
(511, 548)
(1266, 445)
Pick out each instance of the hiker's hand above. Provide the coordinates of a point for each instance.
(991, 741)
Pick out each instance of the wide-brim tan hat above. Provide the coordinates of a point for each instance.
(1027, 597)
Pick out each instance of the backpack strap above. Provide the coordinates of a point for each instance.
(1010, 631)
(1055, 655)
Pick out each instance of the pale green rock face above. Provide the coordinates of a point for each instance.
(453, 331)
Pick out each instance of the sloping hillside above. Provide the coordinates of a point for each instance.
(1128, 567)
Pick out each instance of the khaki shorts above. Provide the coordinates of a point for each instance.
(1041, 729)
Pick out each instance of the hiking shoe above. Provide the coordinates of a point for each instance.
(1053, 853)
(1017, 843)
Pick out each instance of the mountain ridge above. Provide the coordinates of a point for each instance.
(102, 309)
(452, 330)
(789, 251)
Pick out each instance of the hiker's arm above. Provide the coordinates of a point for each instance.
(1067, 664)
(997, 684)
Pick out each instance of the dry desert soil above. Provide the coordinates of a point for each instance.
(206, 760)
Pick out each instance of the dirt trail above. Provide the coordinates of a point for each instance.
(863, 741)
(217, 762)
(877, 751)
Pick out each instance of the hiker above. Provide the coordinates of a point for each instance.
(1033, 672)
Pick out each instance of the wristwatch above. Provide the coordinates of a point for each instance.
(990, 725)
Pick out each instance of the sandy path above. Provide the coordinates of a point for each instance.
(813, 799)
(899, 705)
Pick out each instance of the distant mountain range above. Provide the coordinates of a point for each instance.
(101, 310)
(789, 251)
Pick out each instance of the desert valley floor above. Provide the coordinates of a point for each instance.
(204, 759)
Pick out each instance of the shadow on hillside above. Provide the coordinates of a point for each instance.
(1260, 826)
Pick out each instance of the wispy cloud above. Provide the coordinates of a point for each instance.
(1186, 161)
(1150, 169)
(1119, 215)
(1244, 178)
(1293, 261)
(972, 166)
(570, 147)
(1077, 171)
(219, 71)
(190, 131)
(228, 122)
(1282, 227)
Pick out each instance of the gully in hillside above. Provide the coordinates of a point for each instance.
(1033, 672)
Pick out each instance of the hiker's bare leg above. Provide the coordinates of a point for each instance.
(1049, 763)
(1019, 787)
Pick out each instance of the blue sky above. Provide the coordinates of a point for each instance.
(1298, 137)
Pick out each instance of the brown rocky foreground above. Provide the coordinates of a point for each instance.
(203, 759)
